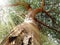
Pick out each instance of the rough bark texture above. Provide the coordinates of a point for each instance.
(25, 34)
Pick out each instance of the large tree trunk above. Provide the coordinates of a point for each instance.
(25, 34)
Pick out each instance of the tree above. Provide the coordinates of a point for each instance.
(48, 29)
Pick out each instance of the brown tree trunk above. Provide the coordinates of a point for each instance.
(24, 34)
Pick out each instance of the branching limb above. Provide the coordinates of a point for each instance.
(33, 13)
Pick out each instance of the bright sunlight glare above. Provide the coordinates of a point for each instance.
(3, 2)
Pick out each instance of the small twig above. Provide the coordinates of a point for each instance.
(42, 4)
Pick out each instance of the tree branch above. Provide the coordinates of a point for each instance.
(27, 6)
(33, 13)
(42, 4)
(46, 25)
(52, 18)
